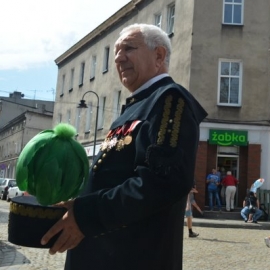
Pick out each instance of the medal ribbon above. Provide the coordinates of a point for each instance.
(126, 130)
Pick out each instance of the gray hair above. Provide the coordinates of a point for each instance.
(153, 36)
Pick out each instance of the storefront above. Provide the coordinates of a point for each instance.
(242, 149)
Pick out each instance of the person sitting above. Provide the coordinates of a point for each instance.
(251, 204)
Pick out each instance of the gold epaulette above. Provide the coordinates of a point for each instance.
(170, 122)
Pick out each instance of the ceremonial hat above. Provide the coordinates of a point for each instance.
(29, 221)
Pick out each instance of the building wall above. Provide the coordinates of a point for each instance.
(11, 107)
(199, 41)
(106, 84)
(16, 135)
(250, 43)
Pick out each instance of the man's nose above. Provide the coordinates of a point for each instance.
(120, 56)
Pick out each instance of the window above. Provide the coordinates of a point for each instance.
(71, 80)
(69, 116)
(101, 113)
(230, 82)
(158, 19)
(63, 85)
(77, 120)
(171, 12)
(89, 114)
(233, 12)
(59, 120)
(81, 74)
(106, 59)
(93, 67)
(116, 104)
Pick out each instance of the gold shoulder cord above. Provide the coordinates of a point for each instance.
(177, 122)
(164, 120)
(23, 210)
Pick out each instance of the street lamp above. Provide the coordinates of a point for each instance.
(83, 105)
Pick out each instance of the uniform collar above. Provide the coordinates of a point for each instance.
(153, 85)
(149, 83)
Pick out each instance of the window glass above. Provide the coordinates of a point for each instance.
(234, 90)
(93, 67)
(233, 12)
(88, 117)
(171, 11)
(81, 74)
(229, 83)
(106, 59)
(158, 20)
(228, 13)
(225, 67)
(237, 14)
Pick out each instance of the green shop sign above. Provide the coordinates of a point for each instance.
(228, 137)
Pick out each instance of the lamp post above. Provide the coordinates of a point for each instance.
(83, 105)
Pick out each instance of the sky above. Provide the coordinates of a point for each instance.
(34, 33)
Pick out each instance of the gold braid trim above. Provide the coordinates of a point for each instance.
(164, 120)
(37, 212)
(177, 122)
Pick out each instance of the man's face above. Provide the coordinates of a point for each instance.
(135, 62)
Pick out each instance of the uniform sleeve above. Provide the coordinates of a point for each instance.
(166, 145)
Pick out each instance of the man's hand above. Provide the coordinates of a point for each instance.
(71, 235)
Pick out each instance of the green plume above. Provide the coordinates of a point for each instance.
(53, 166)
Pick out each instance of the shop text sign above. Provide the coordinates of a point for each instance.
(228, 137)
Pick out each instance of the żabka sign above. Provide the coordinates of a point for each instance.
(228, 137)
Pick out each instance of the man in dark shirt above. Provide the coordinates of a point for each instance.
(131, 214)
(251, 205)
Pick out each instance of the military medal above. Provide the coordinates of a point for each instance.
(104, 145)
(127, 140)
(120, 145)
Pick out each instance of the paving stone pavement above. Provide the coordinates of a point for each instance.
(216, 248)
(226, 248)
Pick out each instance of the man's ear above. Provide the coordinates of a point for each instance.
(160, 55)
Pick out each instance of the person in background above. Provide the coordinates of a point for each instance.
(213, 182)
(251, 205)
(230, 183)
(223, 189)
(131, 214)
(193, 201)
(189, 215)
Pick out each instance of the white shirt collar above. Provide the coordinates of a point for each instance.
(150, 82)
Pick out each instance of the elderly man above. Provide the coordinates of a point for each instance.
(131, 214)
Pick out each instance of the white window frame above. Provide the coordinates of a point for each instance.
(158, 19)
(81, 74)
(230, 76)
(93, 67)
(234, 4)
(171, 17)
(106, 59)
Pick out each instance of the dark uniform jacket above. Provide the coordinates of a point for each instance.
(132, 211)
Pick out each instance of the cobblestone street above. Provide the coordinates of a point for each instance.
(220, 248)
(215, 248)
